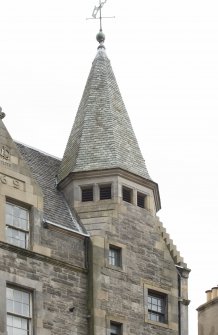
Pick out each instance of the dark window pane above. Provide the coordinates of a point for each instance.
(87, 194)
(141, 200)
(127, 194)
(105, 192)
(115, 328)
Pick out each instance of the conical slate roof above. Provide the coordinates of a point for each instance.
(102, 136)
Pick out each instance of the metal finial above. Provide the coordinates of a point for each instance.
(100, 36)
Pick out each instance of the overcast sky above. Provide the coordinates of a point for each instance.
(165, 58)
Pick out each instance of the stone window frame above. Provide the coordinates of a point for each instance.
(122, 248)
(18, 315)
(158, 306)
(96, 191)
(159, 291)
(115, 255)
(33, 286)
(26, 207)
(84, 188)
(118, 326)
(134, 192)
(116, 319)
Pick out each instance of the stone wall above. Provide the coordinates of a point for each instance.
(52, 265)
(120, 294)
(56, 288)
(207, 318)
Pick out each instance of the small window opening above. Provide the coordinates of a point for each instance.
(87, 194)
(114, 256)
(115, 328)
(141, 199)
(127, 194)
(105, 192)
(157, 307)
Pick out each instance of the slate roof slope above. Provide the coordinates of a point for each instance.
(44, 169)
(102, 136)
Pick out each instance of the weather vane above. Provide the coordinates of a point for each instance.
(97, 10)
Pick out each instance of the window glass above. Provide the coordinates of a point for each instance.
(17, 225)
(141, 198)
(127, 194)
(156, 306)
(18, 312)
(114, 256)
(87, 194)
(105, 192)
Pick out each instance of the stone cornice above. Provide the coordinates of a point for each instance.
(34, 255)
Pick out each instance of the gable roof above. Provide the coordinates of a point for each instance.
(44, 169)
(102, 136)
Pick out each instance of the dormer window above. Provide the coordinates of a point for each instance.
(141, 200)
(105, 192)
(87, 193)
(127, 194)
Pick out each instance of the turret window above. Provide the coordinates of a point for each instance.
(105, 192)
(87, 193)
(141, 200)
(127, 194)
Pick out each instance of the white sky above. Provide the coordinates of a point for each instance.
(165, 58)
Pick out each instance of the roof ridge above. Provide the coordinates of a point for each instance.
(110, 103)
(38, 150)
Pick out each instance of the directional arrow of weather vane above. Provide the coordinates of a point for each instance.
(96, 10)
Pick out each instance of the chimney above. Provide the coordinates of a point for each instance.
(208, 292)
(212, 294)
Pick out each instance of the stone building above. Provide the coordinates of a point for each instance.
(81, 248)
(207, 314)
